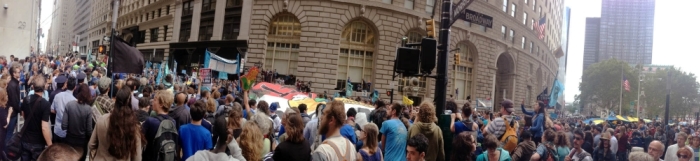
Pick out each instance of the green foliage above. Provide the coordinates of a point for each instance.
(682, 86)
(601, 84)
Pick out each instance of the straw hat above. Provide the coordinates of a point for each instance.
(605, 136)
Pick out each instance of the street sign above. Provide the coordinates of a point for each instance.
(459, 9)
(476, 18)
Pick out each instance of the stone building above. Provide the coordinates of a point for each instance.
(18, 27)
(148, 25)
(328, 41)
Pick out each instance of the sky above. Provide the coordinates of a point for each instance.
(675, 39)
(46, 16)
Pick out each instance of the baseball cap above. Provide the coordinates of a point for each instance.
(104, 83)
(61, 79)
(508, 105)
(274, 106)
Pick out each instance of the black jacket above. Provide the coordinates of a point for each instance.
(180, 114)
(13, 96)
(78, 123)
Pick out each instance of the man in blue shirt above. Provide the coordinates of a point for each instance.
(394, 136)
(58, 107)
(194, 136)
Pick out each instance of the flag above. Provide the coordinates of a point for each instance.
(543, 96)
(348, 88)
(540, 26)
(127, 59)
(625, 83)
(557, 89)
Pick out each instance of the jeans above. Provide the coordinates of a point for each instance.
(622, 155)
(11, 128)
(31, 151)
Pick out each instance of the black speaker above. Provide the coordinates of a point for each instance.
(428, 55)
(407, 60)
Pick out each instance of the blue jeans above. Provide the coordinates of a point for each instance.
(31, 151)
(622, 155)
(11, 128)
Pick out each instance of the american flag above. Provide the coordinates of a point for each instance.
(539, 27)
(625, 83)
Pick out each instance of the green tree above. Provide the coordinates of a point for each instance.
(601, 84)
(682, 86)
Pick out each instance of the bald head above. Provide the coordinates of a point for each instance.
(656, 149)
(180, 99)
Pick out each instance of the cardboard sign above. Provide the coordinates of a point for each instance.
(205, 75)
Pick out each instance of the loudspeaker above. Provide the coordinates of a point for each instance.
(407, 60)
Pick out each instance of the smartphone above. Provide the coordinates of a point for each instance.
(491, 116)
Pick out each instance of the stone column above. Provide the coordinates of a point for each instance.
(177, 21)
(196, 18)
(219, 14)
(244, 32)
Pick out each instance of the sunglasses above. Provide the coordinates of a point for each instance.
(680, 156)
(578, 138)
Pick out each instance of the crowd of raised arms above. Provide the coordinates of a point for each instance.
(64, 108)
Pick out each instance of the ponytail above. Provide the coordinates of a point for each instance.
(398, 111)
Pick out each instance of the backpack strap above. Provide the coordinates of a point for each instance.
(337, 152)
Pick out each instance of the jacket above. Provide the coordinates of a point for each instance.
(236, 154)
(524, 151)
(77, 121)
(537, 126)
(99, 142)
(602, 154)
(431, 131)
(505, 156)
(13, 96)
(180, 114)
(305, 117)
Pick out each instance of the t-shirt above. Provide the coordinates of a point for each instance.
(292, 151)
(396, 136)
(194, 138)
(349, 133)
(33, 133)
(325, 152)
(542, 151)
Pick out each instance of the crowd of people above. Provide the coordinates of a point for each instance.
(72, 111)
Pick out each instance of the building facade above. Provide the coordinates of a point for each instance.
(81, 24)
(100, 25)
(626, 32)
(63, 40)
(590, 47)
(148, 25)
(18, 27)
(329, 42)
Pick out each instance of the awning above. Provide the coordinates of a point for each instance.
(622, 118)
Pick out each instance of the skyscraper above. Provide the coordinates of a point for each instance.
(590, 49)
(626, 31)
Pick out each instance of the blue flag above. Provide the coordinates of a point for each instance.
(557, 89)
(375, 97)
(348, 89)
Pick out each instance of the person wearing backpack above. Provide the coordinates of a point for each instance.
(467, 125)
(546, 151)
(504, 127)
(161, 131)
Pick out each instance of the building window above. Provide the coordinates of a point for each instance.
(526, 1)
(503, 31)
(408, 4)
(356, 58)
(464, 72)
(283, 44)
(185, 30)
(512, 10)
(231, 27)
(534, 3)
(165, 33)
(234, 3)
(522, 43)
(539, 10)
(525, 18)
(512, 34)
(429, 6)
(387, 1)
(208, 5)
(531, 43)
(505, 6)
(154, 34)
(187, 8)
(482, 28)
(414, 37)
(206, 29)
(528, 95)
(159, 12)
(167, 10)
(532, 21)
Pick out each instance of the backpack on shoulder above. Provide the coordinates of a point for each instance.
(166, 140)
(551, 155)
(509, 140)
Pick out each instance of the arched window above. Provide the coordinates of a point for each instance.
(356, 57)
(464, 72)
(283, 44)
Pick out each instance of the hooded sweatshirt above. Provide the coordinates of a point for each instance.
(431, 131)
(524, 151)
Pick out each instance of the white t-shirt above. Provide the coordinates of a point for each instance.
(325, 152)
(575, 158)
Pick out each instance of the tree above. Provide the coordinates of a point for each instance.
(683, 88)
(601, 84)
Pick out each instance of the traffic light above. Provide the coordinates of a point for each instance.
(388, 93)
(456, 58)
(428, 55)
(430, 28)
(101, 49)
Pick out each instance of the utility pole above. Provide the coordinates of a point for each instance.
(443, 44)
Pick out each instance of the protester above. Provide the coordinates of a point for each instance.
(562, 145)
(684, 154)
(394, 133)
(77, 120)
(493, 153)
(613, 141)
(463, 147)
(623, 143)
(302, 108)
(294, 147)
(604, 151)
(194, 136)
(36, 111)
(58, 107)
(225, 140)
(640, 156)
(335, 146)
(311, 134)
(416, 148)
(672, 150)
(179, 112)
(102, 101)
(525, 148)
(538, 119)
(369, 151)
(577, 153)
(133, 84)
(426, 125)
(118, 137)
(144, 107)
(4, 117)
(151, 127)
(587, 140)
(694, 141)
(348, 128)
(13, 99)
(59, 152)
(497, 126)
(251, 141)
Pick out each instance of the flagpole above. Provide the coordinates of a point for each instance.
(639, 87)
(621, 82)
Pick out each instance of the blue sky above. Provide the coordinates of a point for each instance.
(675, 37)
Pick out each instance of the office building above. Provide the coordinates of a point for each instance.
(81, 24)
(590, 47)
(19, 27)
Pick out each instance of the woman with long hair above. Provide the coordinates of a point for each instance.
(294, 147)
(236, 120)
(588, 142)
(547, 147)
(463, 147)
(603, 151)
(538, 120)
(118, 137)
(562, 144)
(4, 118)
(77, 120)
(251, 141)
(370, 150)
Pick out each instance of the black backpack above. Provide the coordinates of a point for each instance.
(166, 140)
